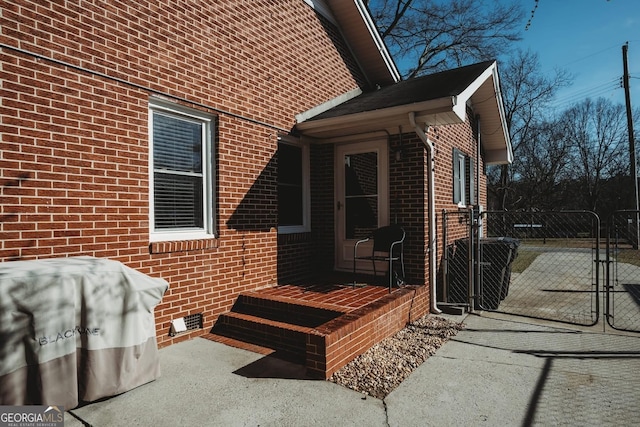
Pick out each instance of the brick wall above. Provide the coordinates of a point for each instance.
(340, 340)
(408, 201)
(295, 258)
(75, 165)
(322, 207)
(445, 138)
(408, 182)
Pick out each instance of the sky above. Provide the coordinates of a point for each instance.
(585, 38)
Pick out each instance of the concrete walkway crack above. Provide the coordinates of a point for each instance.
(386, 413)
(84, 423)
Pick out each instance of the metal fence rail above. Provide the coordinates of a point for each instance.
(623, 263)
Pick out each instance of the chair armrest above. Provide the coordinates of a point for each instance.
(355, 247)
(393, 245)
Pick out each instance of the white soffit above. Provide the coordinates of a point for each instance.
(363, 39)
(320, 7)
(327, 105)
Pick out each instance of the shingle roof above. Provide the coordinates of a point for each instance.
(419, 89)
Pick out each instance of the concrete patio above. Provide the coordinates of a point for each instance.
(499, 371)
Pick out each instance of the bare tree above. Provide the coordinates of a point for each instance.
(542, 168)
(431, 35)
(527, 94)
(597, 131)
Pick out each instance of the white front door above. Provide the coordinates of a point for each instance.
(362, 201)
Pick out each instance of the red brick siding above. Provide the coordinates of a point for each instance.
(302, 256)
(463, 137)
(322, 207)
(408, 183)
(74, 165)
(408, 198)
(295, 258)
(445, 138)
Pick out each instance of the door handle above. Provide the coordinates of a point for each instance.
(339, 205)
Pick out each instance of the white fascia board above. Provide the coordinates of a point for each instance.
(435, 106)
(306, 115)
(503, 117)
(498, 157)
(320, 7)
(460, 107)
(375, 35)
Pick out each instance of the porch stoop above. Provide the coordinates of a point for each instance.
(323, 337)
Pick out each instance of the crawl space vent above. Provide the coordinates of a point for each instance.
(186, 323)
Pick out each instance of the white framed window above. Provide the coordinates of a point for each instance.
(463, 179)
(181, 194)
(293, 186)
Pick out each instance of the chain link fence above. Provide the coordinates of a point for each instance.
(456, 260)
(623, 286)
(542, 264)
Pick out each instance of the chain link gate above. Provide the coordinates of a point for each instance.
(542, 264)
(623, 271)
(457, 261)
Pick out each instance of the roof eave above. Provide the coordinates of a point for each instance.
(364, 40)
(436, 110)
(482, 94)
(486, 100)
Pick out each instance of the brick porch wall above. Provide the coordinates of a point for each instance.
(339, 341)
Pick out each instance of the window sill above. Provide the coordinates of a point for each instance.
(293, 229)
(182, 246)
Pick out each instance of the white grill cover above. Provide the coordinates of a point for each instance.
(75, 329)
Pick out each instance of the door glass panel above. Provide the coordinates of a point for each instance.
(361, 194)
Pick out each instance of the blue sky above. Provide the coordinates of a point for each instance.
(585, 37)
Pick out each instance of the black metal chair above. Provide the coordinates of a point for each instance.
(388, 245)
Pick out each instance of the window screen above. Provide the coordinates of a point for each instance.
(177, 172)
(290, 185)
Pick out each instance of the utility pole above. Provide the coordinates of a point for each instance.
(632, 144)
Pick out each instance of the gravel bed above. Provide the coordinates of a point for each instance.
(382, 368)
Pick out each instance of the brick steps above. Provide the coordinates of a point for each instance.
(284, 310)
(288, 341)
(322, 337)
(277, 323)
(232, 342)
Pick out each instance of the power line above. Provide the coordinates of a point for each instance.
(589, 92)
(580, 59)
(607, 88)
(591, 55)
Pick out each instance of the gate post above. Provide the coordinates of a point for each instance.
(445, 259)
(474, 257)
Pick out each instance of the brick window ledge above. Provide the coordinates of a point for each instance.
(182, 246)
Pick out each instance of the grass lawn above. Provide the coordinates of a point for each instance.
(527, 256)
(524, 260)
(630, 256)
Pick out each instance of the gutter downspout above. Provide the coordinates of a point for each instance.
(432, 210)
(478, 151)
(477, 223)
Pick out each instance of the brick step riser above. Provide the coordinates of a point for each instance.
(284, 312)
(286, 342)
